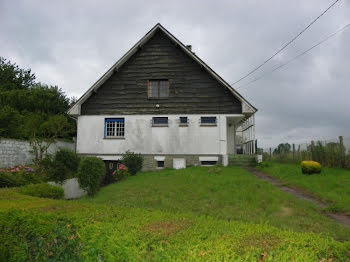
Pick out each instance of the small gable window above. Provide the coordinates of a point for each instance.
(158, 89)
(208, 120)
(159, 121)
(114, 127)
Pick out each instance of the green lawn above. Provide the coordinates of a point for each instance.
(196, 214)
(332, 186)
(229, 193)
(34, 229)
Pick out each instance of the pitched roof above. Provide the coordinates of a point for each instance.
(247, 108)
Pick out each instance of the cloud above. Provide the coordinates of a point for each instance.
(72, 43)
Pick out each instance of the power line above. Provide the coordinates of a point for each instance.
(287, 44)
(299, 55)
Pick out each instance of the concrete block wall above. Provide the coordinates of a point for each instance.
(15, 152)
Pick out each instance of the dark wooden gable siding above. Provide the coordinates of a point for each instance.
(192, 90)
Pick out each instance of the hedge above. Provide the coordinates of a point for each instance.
(42, 190)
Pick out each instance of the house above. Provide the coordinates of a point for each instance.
(161, 100)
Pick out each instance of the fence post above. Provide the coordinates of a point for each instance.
(293, 152)
(270, 153)
(342, 148)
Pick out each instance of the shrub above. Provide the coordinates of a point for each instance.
(69, 158)
(90, 173)
(19, 176)
(63, 165)
(310, 167)
(347, 161)
(264, 164)
(42, 190)
(133, 161)
(37, 236)
(11, 180)
(121, 173)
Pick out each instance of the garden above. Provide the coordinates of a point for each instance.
(193, 214)
(63, 165)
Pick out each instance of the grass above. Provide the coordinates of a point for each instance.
(50, 230)
(196, 214)
(229, 193)
(332, 186)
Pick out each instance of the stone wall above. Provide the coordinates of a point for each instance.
(71, 188)
(15, 152)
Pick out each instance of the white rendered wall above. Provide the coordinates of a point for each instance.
(142, 138)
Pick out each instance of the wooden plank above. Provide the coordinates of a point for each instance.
(192, 90)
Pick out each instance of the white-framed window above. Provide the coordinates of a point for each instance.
(208, 121)
(114, 127)
(158, 89)
(160, 121)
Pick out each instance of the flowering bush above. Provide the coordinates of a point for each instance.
(14, 169)
(121, 172)
(133, 161)
(19, 176)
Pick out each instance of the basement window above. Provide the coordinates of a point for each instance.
(160, 164)
(208, 121)
(159, 121)
(114, 128)
(158, 89)
(208, 163)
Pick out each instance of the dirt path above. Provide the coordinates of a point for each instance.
(339, 218)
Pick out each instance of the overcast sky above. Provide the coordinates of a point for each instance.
(72, 43)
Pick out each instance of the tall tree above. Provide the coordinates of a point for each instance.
(13, 77)
(26, 107)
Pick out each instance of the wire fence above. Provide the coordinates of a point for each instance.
(330, 153)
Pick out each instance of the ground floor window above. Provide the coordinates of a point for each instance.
(208, 120)
(114, 127)
(183, 121)
(159, 121)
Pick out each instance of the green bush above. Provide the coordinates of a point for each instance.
(61, 166)
(264, 164)
(69, 158)
(310, 167)
(90, 174)
(347, 161)
(121, 173)
(133, 162)
(42, 190)
(19, 176)
(11, 180)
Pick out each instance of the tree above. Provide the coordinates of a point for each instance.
(10, 119)
(31, 110)
(43, 134)
(12, 77)
(282, 148)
